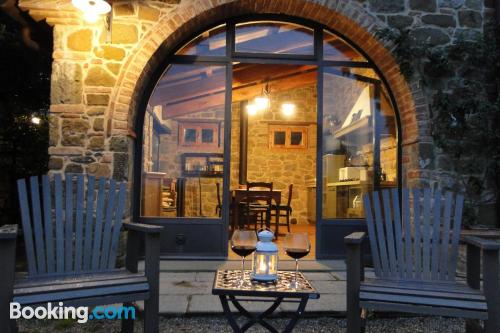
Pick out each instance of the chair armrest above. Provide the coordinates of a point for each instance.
(8, 237)
(8, 231)
(482, 243)
(355, 238)
(355, 273)
(144, 228)
(488, 259)
(354, 259)
(151, 234)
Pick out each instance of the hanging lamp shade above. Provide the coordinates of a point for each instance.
(92, 9)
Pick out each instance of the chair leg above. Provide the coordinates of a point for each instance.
(127, 324)
(288, 220)
(473, 326)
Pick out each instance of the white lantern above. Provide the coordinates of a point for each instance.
(265, 258)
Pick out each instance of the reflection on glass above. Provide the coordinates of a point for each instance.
(274, 37)
(186, 121)
(351, 116)
(336, 49)
(209, 43)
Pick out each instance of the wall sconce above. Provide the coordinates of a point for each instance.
(92, 9)
(288, 109)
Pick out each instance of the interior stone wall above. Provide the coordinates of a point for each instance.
(170, 163)
(280, 166)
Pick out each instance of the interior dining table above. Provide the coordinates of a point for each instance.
(238, 195)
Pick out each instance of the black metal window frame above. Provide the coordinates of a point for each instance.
(231, 57)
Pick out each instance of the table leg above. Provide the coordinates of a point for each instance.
(259, 318)
(296, 315)
(229, 314)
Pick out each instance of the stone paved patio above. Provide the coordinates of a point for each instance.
(186, 287)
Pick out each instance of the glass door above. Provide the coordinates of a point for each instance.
(358, 143)
(184, 167)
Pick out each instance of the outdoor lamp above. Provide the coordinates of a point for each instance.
(36, 120)
(265, 258)
(92, 9)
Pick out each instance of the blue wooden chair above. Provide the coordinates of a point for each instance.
(71, 235)
(414, 252)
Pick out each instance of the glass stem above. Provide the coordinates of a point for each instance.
(296, 269)
(242, 268)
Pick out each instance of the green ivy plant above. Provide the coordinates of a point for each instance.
(463, 79)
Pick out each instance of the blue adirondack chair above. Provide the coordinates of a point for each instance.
(71, 233)
(414, 254)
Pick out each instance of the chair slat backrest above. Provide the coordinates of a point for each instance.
(65, 230)
(416, 245)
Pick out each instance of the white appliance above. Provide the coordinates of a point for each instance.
(331, 165)
(350, 173)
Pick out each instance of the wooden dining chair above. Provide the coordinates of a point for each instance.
(284, 210)
(259, 203)
(218, 208)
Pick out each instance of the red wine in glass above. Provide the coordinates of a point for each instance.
(297, 253)
(243, 251)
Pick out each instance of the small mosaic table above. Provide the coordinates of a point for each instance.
(226, 286)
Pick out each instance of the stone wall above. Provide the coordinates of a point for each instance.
(98, 81)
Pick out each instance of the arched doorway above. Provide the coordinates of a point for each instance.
(271, 99)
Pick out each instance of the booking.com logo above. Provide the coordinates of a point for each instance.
(80, 314)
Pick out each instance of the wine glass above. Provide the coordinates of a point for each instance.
(297, 246)
(243, 243)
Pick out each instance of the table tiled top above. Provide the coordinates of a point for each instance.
(227, 283)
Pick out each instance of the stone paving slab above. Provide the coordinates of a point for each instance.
(204, 304)
(329, 287)
(326, 303)
(191, 293)
(185, 287)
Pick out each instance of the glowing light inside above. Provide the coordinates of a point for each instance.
(261, 102)
(36, 120)
(252, 109)
(288, 109)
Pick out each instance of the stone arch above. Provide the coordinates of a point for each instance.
(349, 19)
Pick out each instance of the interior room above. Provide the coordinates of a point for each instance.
(260, 120)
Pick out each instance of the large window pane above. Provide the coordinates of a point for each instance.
(347, 142)
(209, 43)
(336, 49)
(274, 37)
(350, 116)
(186, 114)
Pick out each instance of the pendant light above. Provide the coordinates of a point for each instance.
(263, 101)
